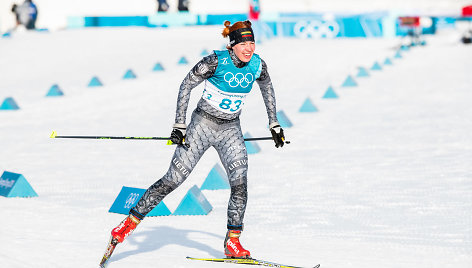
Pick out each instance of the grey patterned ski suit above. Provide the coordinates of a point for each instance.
(210, 127)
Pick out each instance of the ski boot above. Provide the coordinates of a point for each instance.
(125, 228)
(233, 248)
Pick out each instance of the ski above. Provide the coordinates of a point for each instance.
(111, 247)
(249, 261)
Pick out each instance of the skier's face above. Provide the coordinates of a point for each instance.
(244, 50)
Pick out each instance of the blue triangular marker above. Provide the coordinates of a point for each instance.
(216, 179)
(54, 91)
(308, 107)
(362, 72)
(204, 53)
(398, 55)
(9, 104)
(158, 67)
(283, 120)
(405, 48)
(183, 60)
(15, 185)
(349, 82)
(330, 94)
(376, 67)
(6, 35)
(129, 197)
(160, 210)
(388, 61)
(193, 203)
(129, 74)
(95, 82)
(251, 146)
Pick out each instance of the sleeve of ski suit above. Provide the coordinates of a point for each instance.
(204, 69)
(268, 93)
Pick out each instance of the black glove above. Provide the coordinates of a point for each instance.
(277, 134)
(178, 133)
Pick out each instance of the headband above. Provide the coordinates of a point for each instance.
(240, 35)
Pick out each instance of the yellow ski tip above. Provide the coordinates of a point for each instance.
(53, 134)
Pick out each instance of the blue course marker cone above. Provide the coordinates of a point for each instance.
(55, 91)
(216, 179)
(129, 75)
(183, 61)
(388, 61)
(308, 107)
(204, 53)
(283, 120)
(376, 67)
(349, 82)
(95, 82)
(251, 146)
(398, 55)
(193, 203)
(15, 185)
(330, 94)
(158, 67)
(362, 72)
(9, 104)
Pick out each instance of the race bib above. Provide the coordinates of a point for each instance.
(227, 102)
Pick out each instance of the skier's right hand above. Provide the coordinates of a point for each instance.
(178, 133)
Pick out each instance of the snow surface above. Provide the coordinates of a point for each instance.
(380, 177)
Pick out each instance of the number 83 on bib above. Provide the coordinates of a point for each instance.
(227, 102)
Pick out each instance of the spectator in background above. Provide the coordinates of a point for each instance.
(254, 10)
(162, 6)
(183, 5)
(17, 17)
(26, 14)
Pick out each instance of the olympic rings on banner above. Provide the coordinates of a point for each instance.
(238, 79)
(132, 198)
(316, 29)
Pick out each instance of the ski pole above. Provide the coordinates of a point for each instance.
(169, 142)
(262, 138)
(55, 136)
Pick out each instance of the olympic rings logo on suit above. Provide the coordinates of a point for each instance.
(132, 198)
(238, 79)
(316, 29)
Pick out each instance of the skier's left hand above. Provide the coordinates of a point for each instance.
(277, 134)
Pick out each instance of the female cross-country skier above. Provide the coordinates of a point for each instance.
(229, 76)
